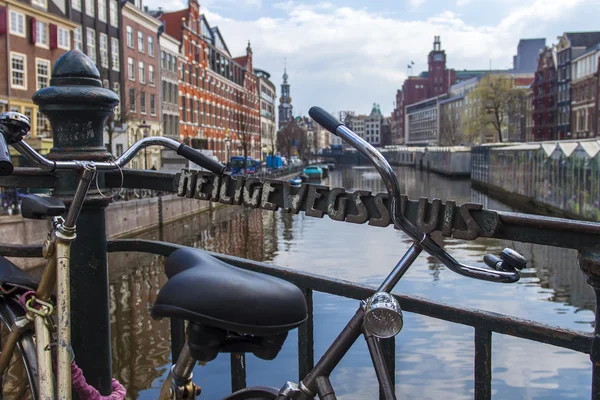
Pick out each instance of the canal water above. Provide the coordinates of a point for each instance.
(434, 359)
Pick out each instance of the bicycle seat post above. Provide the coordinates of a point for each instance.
(77, 118)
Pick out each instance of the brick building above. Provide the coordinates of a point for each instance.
(544, 96)
(584, 86)
(169, 97)
(98, 35)
(34, 35)
(268, 99)
(141, 107)
(428, 84)
(570, 46)
(218, 96)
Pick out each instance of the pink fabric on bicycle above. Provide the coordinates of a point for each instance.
(80, 385)
(88, 392)
(26, 296)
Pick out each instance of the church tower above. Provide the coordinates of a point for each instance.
(285, 106)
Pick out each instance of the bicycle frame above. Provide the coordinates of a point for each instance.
(57, 250)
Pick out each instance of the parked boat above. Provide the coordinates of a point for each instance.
(297, 181)
(313, 172)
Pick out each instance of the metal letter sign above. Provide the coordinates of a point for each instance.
(357, 207)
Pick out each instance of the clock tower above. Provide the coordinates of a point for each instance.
(439, 76)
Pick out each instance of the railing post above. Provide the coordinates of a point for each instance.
(589, 262)
(77, 107)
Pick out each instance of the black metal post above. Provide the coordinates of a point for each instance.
(589, 262)
(77, 107)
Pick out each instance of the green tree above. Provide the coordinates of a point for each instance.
(491, 102)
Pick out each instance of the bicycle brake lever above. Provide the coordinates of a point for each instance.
(482, 273)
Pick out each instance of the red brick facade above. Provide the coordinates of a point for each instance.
(30, 47)
(584, 94)
(584, 107)
(141, 94)
(218, 96)
(435, 82)
(544, 97)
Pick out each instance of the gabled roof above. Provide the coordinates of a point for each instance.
(591, 148)
(242, 60)
(568, 148)
(548, 148)
(583, 39)
(218, 40)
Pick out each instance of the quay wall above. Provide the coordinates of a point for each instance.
(123, 218)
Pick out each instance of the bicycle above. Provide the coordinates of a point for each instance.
(236, 310)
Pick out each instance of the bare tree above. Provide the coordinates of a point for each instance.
(122, 117)
(290, 137)
(245, 136)
(450, 129)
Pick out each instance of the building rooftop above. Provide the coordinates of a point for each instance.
(583, 39)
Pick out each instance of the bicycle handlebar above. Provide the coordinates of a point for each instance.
(333, 125)
(181, 149)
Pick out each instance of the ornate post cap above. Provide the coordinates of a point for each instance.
(77, 107)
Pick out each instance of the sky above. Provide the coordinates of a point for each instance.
(347, 55)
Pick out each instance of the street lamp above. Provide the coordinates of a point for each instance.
(145, 128)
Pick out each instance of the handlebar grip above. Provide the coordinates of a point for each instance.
(325, 119)
(491, 261)
(6, 165)
(203, 161)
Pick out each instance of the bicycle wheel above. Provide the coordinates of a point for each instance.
(20, 378)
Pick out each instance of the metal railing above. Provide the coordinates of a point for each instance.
(485, 323)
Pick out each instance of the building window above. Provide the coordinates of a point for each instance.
(89, 8)
(143, 102)
(151, 75)
(150, 46)
(114, 53)
(142, 72)
(119, 149)
(132, 100)
(43, 126)
(102, 10)
(113, 13)
(105, 83)
(140, 42)
(91, 44)
(17, 70)
(183, 110)
(17, 23)
(152, 104)
(41, 37)
(130, 69)
(77, 38)
(39, 3)
(42, 68)
(76, 5)
(104, 50)
(129, 36)
(64, 39)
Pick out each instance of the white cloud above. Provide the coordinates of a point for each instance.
(416, 3)
(461, 3)
(345, 58)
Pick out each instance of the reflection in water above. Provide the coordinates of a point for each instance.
(434, 358)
